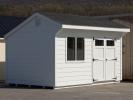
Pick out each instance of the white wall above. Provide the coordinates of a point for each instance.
(30, 53)
(72, 72)
(75, 73)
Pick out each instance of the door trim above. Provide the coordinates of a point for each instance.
(104, 71)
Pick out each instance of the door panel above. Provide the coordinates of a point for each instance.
(110, 63)
(98, 70)
(98, 64)
(110, 53)
(110, 70)
(99, 53)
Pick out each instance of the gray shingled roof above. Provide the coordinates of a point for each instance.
(7, 23)
(83, 20)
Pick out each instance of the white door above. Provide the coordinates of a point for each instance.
(104, 60)
(98, 60)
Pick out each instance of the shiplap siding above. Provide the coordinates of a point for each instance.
(72, 72)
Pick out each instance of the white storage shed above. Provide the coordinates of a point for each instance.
(57, 50)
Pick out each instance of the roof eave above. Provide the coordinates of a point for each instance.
(126, 30)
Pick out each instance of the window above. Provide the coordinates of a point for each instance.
(99, 42)
(70, 48)
(75, 48)
(80, 49)
(110, 43)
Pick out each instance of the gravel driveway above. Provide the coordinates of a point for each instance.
(119, 91)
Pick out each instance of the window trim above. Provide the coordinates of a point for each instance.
(74, 61)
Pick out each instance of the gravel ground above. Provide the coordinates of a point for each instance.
(119, 91)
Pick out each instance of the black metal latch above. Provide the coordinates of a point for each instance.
(114, 78)
(94, 80)
(114, 59)
(94, 59)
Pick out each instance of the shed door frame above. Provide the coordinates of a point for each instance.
(104, 47)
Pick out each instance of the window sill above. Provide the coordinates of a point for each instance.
(76, 61)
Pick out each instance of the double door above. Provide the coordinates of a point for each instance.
(104, 59)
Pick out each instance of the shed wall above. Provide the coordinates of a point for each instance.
(30, 53)
(72, 72)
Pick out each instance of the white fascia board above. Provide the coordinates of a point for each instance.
(96, 28)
